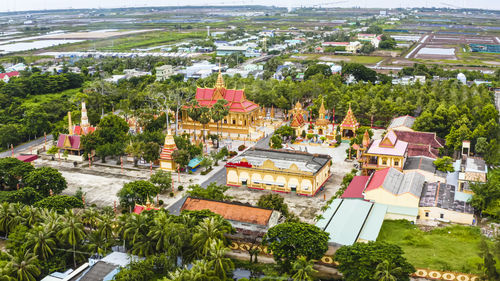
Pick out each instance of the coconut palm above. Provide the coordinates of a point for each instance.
(135, 227)
(209, 230)
(194, 113)
(219, 110)
(40, 241)
(304, 269)
(31, 215)
(96, 244)
(386, 271)
(105, 229)
(7, 219)
(23, 265)
(218, 260)
(90, 218)
(72, 231)
(200, 271)
(169, 237)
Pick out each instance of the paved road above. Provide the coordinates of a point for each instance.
(25, 146)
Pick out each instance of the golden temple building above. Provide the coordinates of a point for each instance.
(166, 160)
(243, 114)
(349, 125)
(298, 118)
(389, 152)
(279, 170)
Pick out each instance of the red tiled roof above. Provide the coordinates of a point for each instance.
(230, 211)
(73, 139)
(78, 130)
(420, 138)
(9, 74)
(422, 150)
(139, 208)
(356, 187)
(236, 99)
(377, 179)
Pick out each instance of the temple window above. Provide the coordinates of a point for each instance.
(427, 214)
(234, 122)
(396, 163)
(384, 161)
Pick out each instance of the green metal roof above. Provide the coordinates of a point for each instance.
(374, 222)
(400, 210)
(347, 222)
(328, 214)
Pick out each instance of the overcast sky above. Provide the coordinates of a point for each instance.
(23, 5)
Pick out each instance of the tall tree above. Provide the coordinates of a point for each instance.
(72, 231)
(24, 266)
(194, 112)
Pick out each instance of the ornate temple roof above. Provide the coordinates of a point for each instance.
(321, 121)
(236, 99)
(297, 120)
(349, 120)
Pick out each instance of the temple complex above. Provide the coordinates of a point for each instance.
(349, 125)
(71, 142)
(166, 160)
(243, 114)
(387, 152)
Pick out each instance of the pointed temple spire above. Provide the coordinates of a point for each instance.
(321, 121)
(350, 119)
(220, 80)
(366, 139)
(70, 125)
(84, 123)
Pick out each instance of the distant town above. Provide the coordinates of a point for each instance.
(250, 143)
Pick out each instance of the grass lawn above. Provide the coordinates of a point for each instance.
(453, 248)
(36, 100)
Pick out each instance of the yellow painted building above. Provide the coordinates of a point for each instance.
(442, 202)
(279, 170)
(384, 153)
(392, 187)
(243, 117)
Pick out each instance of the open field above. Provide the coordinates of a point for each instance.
(453, 248)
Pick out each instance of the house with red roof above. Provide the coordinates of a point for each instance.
(421, 143)
(6, 76)
(243, 114)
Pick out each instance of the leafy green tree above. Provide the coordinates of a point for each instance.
(359, 71)
(162, 179)
(489, 268)
(274, 201)
(317, 69)
(136, 192)
(219, 111)
(486, 197)
(276, 142)
(10, 134)
(136, 150)
(303, 269)
(360, 260)
(27, 195)
(444, 164)
(367, 48)
(60, 203)
(290, 240)
(206, 163)
(212, 192)
(13, 172)
(152, 268)
(194, 112)
(151, 152)
(23, 266)
(204, 118)
(111, 136)
(181, 157)
(45, 179)
(482, 146)
(385, 271)
(374, 29)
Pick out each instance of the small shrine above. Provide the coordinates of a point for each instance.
(298, 121)
(166, 159)
(349, 125)
(71, 142)
(321, 122)
(138, 209)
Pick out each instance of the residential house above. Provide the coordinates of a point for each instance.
(6, 76)
(164, 72)
(421, 143)
(442, 202)
(372, 38)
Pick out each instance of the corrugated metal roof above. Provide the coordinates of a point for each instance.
(328, 214)
(373, 223)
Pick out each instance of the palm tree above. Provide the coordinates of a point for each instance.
(304, 269)
(219, 110)
(194, 113)
(200, 271)
(169, 236)
(209, 230)
(23, 265)
(41, 241)
(218, 260)
(31, 215)
(105, 230)
(72, 231)
(386, 271)
(90, 218)
(204, 118)
(6, 218)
